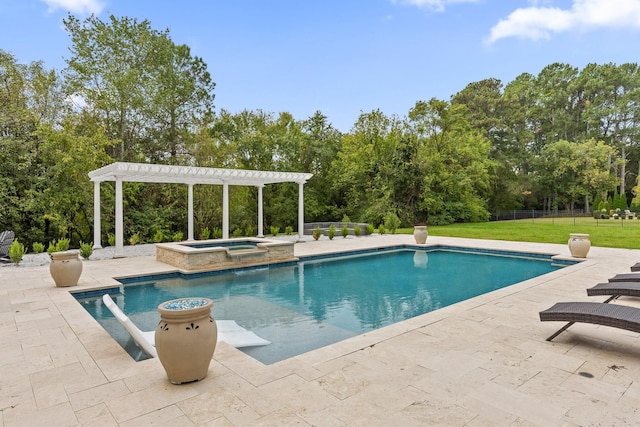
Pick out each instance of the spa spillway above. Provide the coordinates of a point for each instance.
(224, 253)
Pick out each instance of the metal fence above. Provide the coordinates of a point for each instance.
(533, 214)
(576, 217)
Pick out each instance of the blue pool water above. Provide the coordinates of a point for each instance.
(307, 305)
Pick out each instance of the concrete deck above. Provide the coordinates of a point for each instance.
(482, 362)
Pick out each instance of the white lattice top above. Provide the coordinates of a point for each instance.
(142, 172)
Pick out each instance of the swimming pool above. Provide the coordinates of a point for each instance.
(318, 301)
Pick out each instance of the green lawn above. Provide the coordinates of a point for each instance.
(607, 233)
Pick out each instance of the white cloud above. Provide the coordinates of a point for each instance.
(85, 7)
(537, 23)
(437, 5)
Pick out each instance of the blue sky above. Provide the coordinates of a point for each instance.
(345, 57)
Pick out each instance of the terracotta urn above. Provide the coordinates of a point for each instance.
(579, 245)
(65, 267)
(420, 234)
(186, 338)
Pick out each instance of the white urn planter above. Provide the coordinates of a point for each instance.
(420, 259)
(65, 267)
(420, 234)
(579, 245)
(186, 338)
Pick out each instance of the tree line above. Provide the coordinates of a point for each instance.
(563, 139)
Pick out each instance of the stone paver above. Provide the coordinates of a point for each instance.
(481, 362)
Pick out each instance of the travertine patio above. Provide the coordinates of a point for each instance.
(482, 362)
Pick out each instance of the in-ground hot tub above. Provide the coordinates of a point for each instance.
(224, 253)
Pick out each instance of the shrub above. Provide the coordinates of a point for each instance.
(370, 229)
(249, 231)
(274, 230)
(58, 246)
(62, 245)
(392, 222)
(356, 230)
(332, 232)
(345, 219)
(288, 230)
(345, 231)
(217, 233)
(135, 238)
(204, 235)
(178, 236)
(158, 237)
(316, 233)
(86, 249)
(16, 252)
(381, 229)
(111, 239)
(37, 247)
(237, 232)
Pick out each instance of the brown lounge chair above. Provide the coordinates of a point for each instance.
(615, 290)
(614, 315)
(626, 277)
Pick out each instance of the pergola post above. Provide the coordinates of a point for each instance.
(300, 210)
(260, 213)
(190, 213)
(120, 172)
(97, 244)
(119, 251)
(225, 210)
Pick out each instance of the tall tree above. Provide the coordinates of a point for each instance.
(68, 197)
(490, 112)
(181, 100)
(454, 161)
(572, 171)
(555, 100)
(612, 99)
(321, 143)
(363, 172)
(145, 89)
(30, 97)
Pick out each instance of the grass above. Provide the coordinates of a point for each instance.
(603, 233)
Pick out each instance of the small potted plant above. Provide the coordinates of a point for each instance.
(16, 252)
(332, 232)
(86, 249)
(316, 233)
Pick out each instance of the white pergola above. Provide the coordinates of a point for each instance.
(190, 175)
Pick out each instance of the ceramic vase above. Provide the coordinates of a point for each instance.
(579, 245)
(186, 338)
(420, 233)
(65, 267)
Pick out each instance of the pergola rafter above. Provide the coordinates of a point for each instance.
(120, 172)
